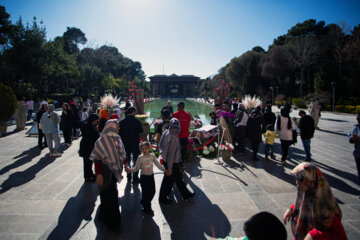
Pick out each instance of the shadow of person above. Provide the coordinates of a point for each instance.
(19, 178)
(77, 209)
(198, 218)
(23, 158)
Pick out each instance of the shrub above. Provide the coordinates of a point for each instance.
(299, 102)
(8, 102)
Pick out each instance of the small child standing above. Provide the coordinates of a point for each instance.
(145, 162)
(270, 136)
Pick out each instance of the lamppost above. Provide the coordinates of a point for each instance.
(333, 84)
(277, 90)
(272, 95)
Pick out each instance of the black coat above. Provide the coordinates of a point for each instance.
(306, 126)
(269, 118)
(255, 127)
(130, 128)
(89, 137)
(66, 120)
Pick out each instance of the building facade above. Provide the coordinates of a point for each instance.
(174, 85)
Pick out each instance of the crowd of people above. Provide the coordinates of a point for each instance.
(111, 143)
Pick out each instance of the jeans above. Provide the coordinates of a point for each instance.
(306, 143)
(148, 190)
(269, 149)
(50, 137)
(29, 115)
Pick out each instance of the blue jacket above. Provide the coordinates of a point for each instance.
(355, 131)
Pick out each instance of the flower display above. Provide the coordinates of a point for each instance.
(142, 118)
(225, 146)
(109, 102)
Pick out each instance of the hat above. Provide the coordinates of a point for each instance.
(114, 116)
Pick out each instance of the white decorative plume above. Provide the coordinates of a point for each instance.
(251, 102)
(108, 101)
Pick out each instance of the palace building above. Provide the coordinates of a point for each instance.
(174, 85)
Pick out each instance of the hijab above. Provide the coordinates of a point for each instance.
(109, 149)
(316, 207)
(174, 129)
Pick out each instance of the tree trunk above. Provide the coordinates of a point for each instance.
(301, 82)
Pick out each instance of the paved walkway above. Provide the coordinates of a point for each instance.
(45, 198)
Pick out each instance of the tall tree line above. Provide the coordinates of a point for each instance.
(36, 67)
(304, 61)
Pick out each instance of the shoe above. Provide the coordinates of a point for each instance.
(90, 179)
(68, 144)
(136, 180)
(56, 154)
(191, 195)
(165, 201)
(148, 211)
(266, 157)
(273, 156)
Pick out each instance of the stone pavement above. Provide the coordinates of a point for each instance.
(45, 198)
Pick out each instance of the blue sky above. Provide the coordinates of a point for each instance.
(185, 36)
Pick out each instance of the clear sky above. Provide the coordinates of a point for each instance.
(185, 36)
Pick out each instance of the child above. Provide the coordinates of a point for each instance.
(270, 136)
(145, 163)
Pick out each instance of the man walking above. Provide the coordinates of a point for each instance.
(168, 107)
(354, 137)
(307, 129)
(184, 119)
(130, 129)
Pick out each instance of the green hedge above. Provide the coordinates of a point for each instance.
(8, 102)
(299, 102)
(344, 108)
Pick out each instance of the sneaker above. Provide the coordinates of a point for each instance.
(191, 195)
(56, 154)
(165, 201)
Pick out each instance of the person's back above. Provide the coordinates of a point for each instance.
(130, 128)
(184, 119)
(306, 126)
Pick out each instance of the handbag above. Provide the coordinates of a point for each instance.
(294, 137)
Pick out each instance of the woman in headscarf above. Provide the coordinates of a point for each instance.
(284, 128)
(171, 155)
(255, 127)
(104, 117)
(315, 214)
(66, 123)
(89, 134)
(109, 156)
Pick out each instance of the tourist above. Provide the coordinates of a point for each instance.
(163, 126)
(127, 105)
(255, 127)
(170, 152)
(43, 102)
(213, 118)
(49, 122)
(354, 137)
(84, 114)
(284, 128)
(41, 136)
(264, 226)
(184, 118)
(109, 156)
(104, 117)
(270, 136)
(269, 116)
(168, 107)
(145, 162)
(315, 214)
(130, 129)
(76, 117)
(307, 129)
(89, 135)
(66, 123)
(30, 104)
(314, 110)
(240, 123)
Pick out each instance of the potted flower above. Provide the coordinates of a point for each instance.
(226, 150)
(251, 103)
(8, 105)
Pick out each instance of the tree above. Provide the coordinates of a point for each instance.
(302, 53)
(5, 26)
(72, 37)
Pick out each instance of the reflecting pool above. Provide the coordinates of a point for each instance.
(153, 109)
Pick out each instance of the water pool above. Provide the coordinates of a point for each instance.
(153, 109)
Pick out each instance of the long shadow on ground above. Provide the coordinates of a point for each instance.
(77, 209)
